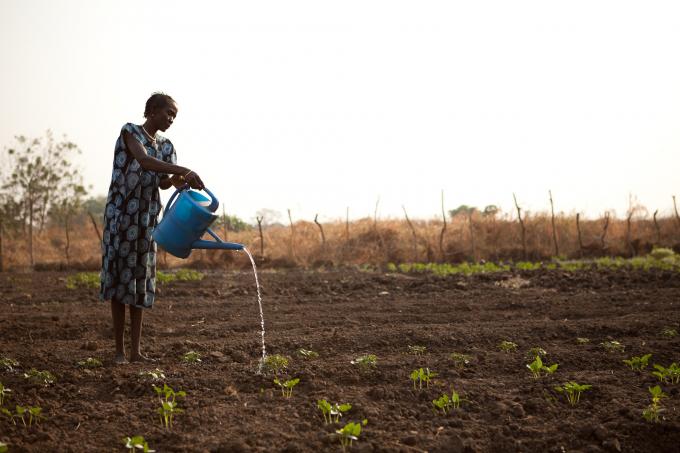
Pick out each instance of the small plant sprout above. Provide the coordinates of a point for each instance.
(137, 443)
(89, 363)
(3, 447)
(332, 412)
(536, 367)
(349, 433)
(460, 361)
(40, 377)
(582, 340)
(169, 406)
(8, 364)
(669, 332)
(416, 350)
(573, 391)
(443, 404)
(507, 346)
(638, 363)
(275, 363)
(18, 414)
(612, 346)
(35, 415)
(154, 375)
(191, 357)
(651, 413)
(307, 353)
(287, 386)
(421, 375)
(366, 362)
(667, 375)
(4, 393)
(536, 352)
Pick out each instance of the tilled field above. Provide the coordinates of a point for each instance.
(341, 315)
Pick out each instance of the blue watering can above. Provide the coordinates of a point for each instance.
(185, 221)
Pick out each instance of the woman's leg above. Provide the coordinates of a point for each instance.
(118, 315)
(136, 316)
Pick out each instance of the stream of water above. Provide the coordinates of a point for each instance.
(259, 303)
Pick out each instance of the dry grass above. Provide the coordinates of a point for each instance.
(375, 243)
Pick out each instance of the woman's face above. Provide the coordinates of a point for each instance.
(164, 116)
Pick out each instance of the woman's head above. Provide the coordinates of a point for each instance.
(160, 110)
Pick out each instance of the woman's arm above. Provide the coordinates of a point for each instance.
(152, 164)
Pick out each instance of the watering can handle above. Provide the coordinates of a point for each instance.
(214, 203)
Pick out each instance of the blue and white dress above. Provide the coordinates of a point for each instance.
(133, 203)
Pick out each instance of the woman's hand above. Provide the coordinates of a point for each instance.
(194, 180)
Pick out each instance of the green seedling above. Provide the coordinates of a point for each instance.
(307, 353)
(366, 362)
(421, 375)
(536, 367)
(154, 375)
(573, 391)
(612, 346)
(169, 406)
(582, 340)
(445, 403)
(191, 357)
(137, 443)
(34, 414)
(416, 350)
(651, 413)
(536, 352)
(507, 346)
(90, 363)
(40, 377)
(287, 386)
(349, 433)
(83, 280)
(638, 363)
(8, 364)
(667, 375)
(4, 393)
(3, 447)
(275, 363)
(460, 361)
(669, 332)
(332, 412)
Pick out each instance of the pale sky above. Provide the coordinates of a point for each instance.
(317, 105)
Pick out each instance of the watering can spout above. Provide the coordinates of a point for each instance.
(186, 220)
(214, 245)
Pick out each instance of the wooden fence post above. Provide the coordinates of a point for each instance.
(521, 224)
(413, 233)
(259, 227)
(578, 232)
(292, 237)
(604, 231)
(554, 231)
(323, 236)
(657, 229)
(441, 234)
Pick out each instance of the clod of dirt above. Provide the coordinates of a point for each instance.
(89, 346)
(600, 433)
(231, 446)
(612, 444)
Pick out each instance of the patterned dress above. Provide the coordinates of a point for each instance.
(128, 271)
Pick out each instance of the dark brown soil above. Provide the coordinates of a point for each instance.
(341, 315)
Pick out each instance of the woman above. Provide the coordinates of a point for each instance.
(143, 162)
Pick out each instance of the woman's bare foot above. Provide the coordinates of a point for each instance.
(139, 357)
(120, 359)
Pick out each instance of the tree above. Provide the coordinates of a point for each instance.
(40, 170)
(462, 209)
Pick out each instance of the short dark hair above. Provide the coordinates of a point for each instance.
(156, 101)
